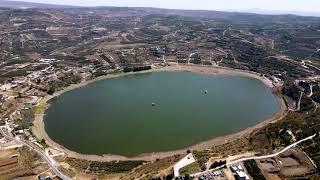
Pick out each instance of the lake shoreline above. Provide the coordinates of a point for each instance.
(39, 126)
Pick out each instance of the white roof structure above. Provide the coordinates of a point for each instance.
(242, 174)
(240, 167)
(6, 87)
(234, 168)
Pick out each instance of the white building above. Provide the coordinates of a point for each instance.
(241, 175)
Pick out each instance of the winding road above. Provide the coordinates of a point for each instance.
(271, 155)
(229, 163)
(41, 154)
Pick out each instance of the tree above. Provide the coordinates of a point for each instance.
(51, 90)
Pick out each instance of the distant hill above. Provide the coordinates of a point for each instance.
(273, 12)
(21, 4)
(252, 15)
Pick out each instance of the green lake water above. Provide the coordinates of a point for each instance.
(116, 116)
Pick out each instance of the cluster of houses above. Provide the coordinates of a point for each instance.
(218, 174)
(239, 172)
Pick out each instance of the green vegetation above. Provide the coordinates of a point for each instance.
(312, 147)
(316, 93)
(71, 78)
(113, 166)
(217, 164)
(274, 135)
(190, 169)
(306, 104)
(99, 73)
(27, 156)
(150, 170)
(51, 90)
(253, 170)
(14, 73)
(291, 91)
(272, 46)
(97, 167)
(202, 158)
(79, 164)
(208, 63)
(25, 122)
(284, 137)
(43, 143)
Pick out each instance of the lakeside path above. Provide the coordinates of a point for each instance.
(39, 126)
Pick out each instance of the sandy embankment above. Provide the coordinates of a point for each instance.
(39, 130)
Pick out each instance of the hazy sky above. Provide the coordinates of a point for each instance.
(283, 5)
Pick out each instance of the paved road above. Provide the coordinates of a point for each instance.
(271, 155)
(311, 91)
(42, 155)
(299, 102)
(188, 159)
(228, 164)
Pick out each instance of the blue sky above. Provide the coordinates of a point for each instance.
(277, 5)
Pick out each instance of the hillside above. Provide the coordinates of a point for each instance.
(21, 4)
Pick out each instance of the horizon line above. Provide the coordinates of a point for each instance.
(258, 11)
